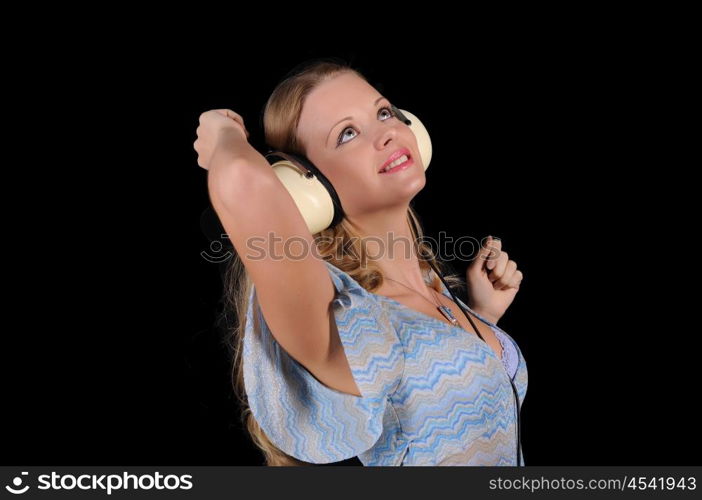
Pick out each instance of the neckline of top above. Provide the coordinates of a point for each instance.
(446, 293)
(429, 276)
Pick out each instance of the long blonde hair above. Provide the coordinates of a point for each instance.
(338, 245)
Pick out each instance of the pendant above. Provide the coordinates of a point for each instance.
(448, 315)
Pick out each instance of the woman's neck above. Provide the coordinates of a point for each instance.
(390, 245)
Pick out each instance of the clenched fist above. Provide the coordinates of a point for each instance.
(493, 281)
(219, 129)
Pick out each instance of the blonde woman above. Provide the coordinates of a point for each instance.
(343, 348)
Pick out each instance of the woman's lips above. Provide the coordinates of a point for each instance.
(401, 166)
(397, 154)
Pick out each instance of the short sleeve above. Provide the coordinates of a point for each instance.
(300, 415)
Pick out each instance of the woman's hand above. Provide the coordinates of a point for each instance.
(493, 281)
(220, 130)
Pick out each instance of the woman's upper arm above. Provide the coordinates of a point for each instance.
(293, 286)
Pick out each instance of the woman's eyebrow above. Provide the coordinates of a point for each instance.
(350, 117)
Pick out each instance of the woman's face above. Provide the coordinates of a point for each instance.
(350, 152)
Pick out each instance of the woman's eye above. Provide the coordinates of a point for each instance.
(343, 132)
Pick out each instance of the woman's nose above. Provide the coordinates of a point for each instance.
(387, 134)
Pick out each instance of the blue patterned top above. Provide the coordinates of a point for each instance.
(432, 393)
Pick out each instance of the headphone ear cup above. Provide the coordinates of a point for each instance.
(311, 197)
(422, 136)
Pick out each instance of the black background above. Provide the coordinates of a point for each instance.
(114, 357)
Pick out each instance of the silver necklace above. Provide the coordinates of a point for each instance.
(444, 310)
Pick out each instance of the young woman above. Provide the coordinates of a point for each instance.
(346, 346)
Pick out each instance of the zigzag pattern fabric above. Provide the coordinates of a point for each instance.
(432, 393)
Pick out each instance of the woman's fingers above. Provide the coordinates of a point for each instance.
(499, 266)
(209, 133)
(502, 272)
(517, 279)
(507, 275)
(496, 249)
(234, 116)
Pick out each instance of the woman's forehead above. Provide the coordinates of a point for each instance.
(344, 96)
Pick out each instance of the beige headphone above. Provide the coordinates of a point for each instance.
(312, 192)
